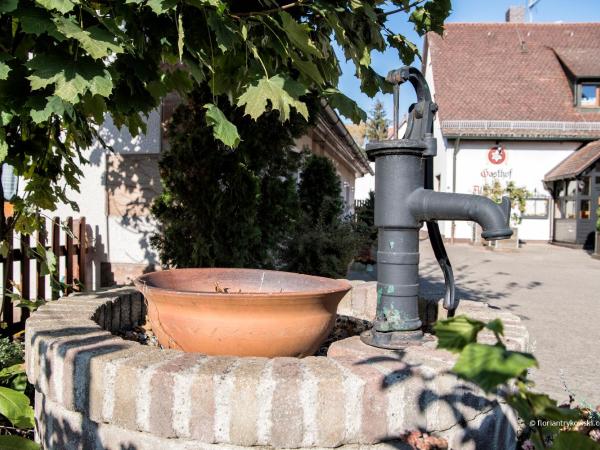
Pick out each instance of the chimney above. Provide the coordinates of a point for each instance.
(515, 14)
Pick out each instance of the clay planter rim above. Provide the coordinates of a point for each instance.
(334, 285)
(261, 321)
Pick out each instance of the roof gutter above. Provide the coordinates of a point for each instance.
(361, 158)
(507, 137)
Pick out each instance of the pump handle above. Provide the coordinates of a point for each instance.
(421, 113)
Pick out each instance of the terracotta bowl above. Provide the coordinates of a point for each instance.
(241, 312)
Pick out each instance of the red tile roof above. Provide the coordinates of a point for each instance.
(575, 163)
(582, 62)
(510, 71)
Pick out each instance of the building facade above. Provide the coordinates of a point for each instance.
(515, 100)
(575, 188)
(117, 190)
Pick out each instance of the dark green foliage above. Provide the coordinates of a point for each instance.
(320, 190)
(65, 64)
(365, 226)
(365, 214)
(11, 353)
(224, 207)
(242, 207)
(324, 242)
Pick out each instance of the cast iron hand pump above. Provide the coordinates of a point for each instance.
(404, 199)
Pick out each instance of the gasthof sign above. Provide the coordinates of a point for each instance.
(496, 173)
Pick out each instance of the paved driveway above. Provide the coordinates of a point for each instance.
(555, 290)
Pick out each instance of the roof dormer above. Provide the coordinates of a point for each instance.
(583, 68)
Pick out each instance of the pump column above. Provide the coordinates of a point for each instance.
(399, 171)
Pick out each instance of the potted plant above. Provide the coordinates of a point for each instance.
(518, 197)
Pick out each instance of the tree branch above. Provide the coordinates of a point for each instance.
(264, 11)
(403, 9)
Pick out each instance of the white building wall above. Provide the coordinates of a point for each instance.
(364, 185)
(129, 239)
(114, 239)
(526, 164)
(91, 200)
(442, 163)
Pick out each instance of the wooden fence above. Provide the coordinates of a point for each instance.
(70, 267)
(360, 203)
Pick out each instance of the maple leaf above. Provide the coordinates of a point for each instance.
(98, 42)
(281, 92)
(223, 129)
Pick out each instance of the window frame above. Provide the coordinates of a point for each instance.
(580, 209)
(579, 92)
(536, 217)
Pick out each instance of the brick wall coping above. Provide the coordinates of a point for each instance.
(90, 384)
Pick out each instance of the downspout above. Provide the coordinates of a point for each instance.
(106, 207)
(454, 155)
(552, 215)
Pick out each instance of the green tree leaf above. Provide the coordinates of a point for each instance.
(94, 105)
(161, 6)
(10, 371)
(7, 6)
(455, 333)
(71, 79)
(4, 249)
(345, 105)
(98, 42)
(4, 70)
(17, 443)
(298, 34)
(281, 92)
(307, 68)
(223, 129)
(226, 35)
(532, 405)
(101, 84)
(36, 21)
(496, 326)
(3, 147)
(5, 117)
(14, 377)
(47, 258)
(406, 49)
(31, 305)
(15, 407)
(430, 16)
(489, 365)
(63, 6)
(573, 440)
(49, 105)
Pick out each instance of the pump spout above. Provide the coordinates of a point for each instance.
(428, 205)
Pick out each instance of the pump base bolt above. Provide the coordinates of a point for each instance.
(394, 340)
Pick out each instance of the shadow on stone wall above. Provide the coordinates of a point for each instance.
(465, 403)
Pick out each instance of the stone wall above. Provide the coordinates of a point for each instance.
(95, 390)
